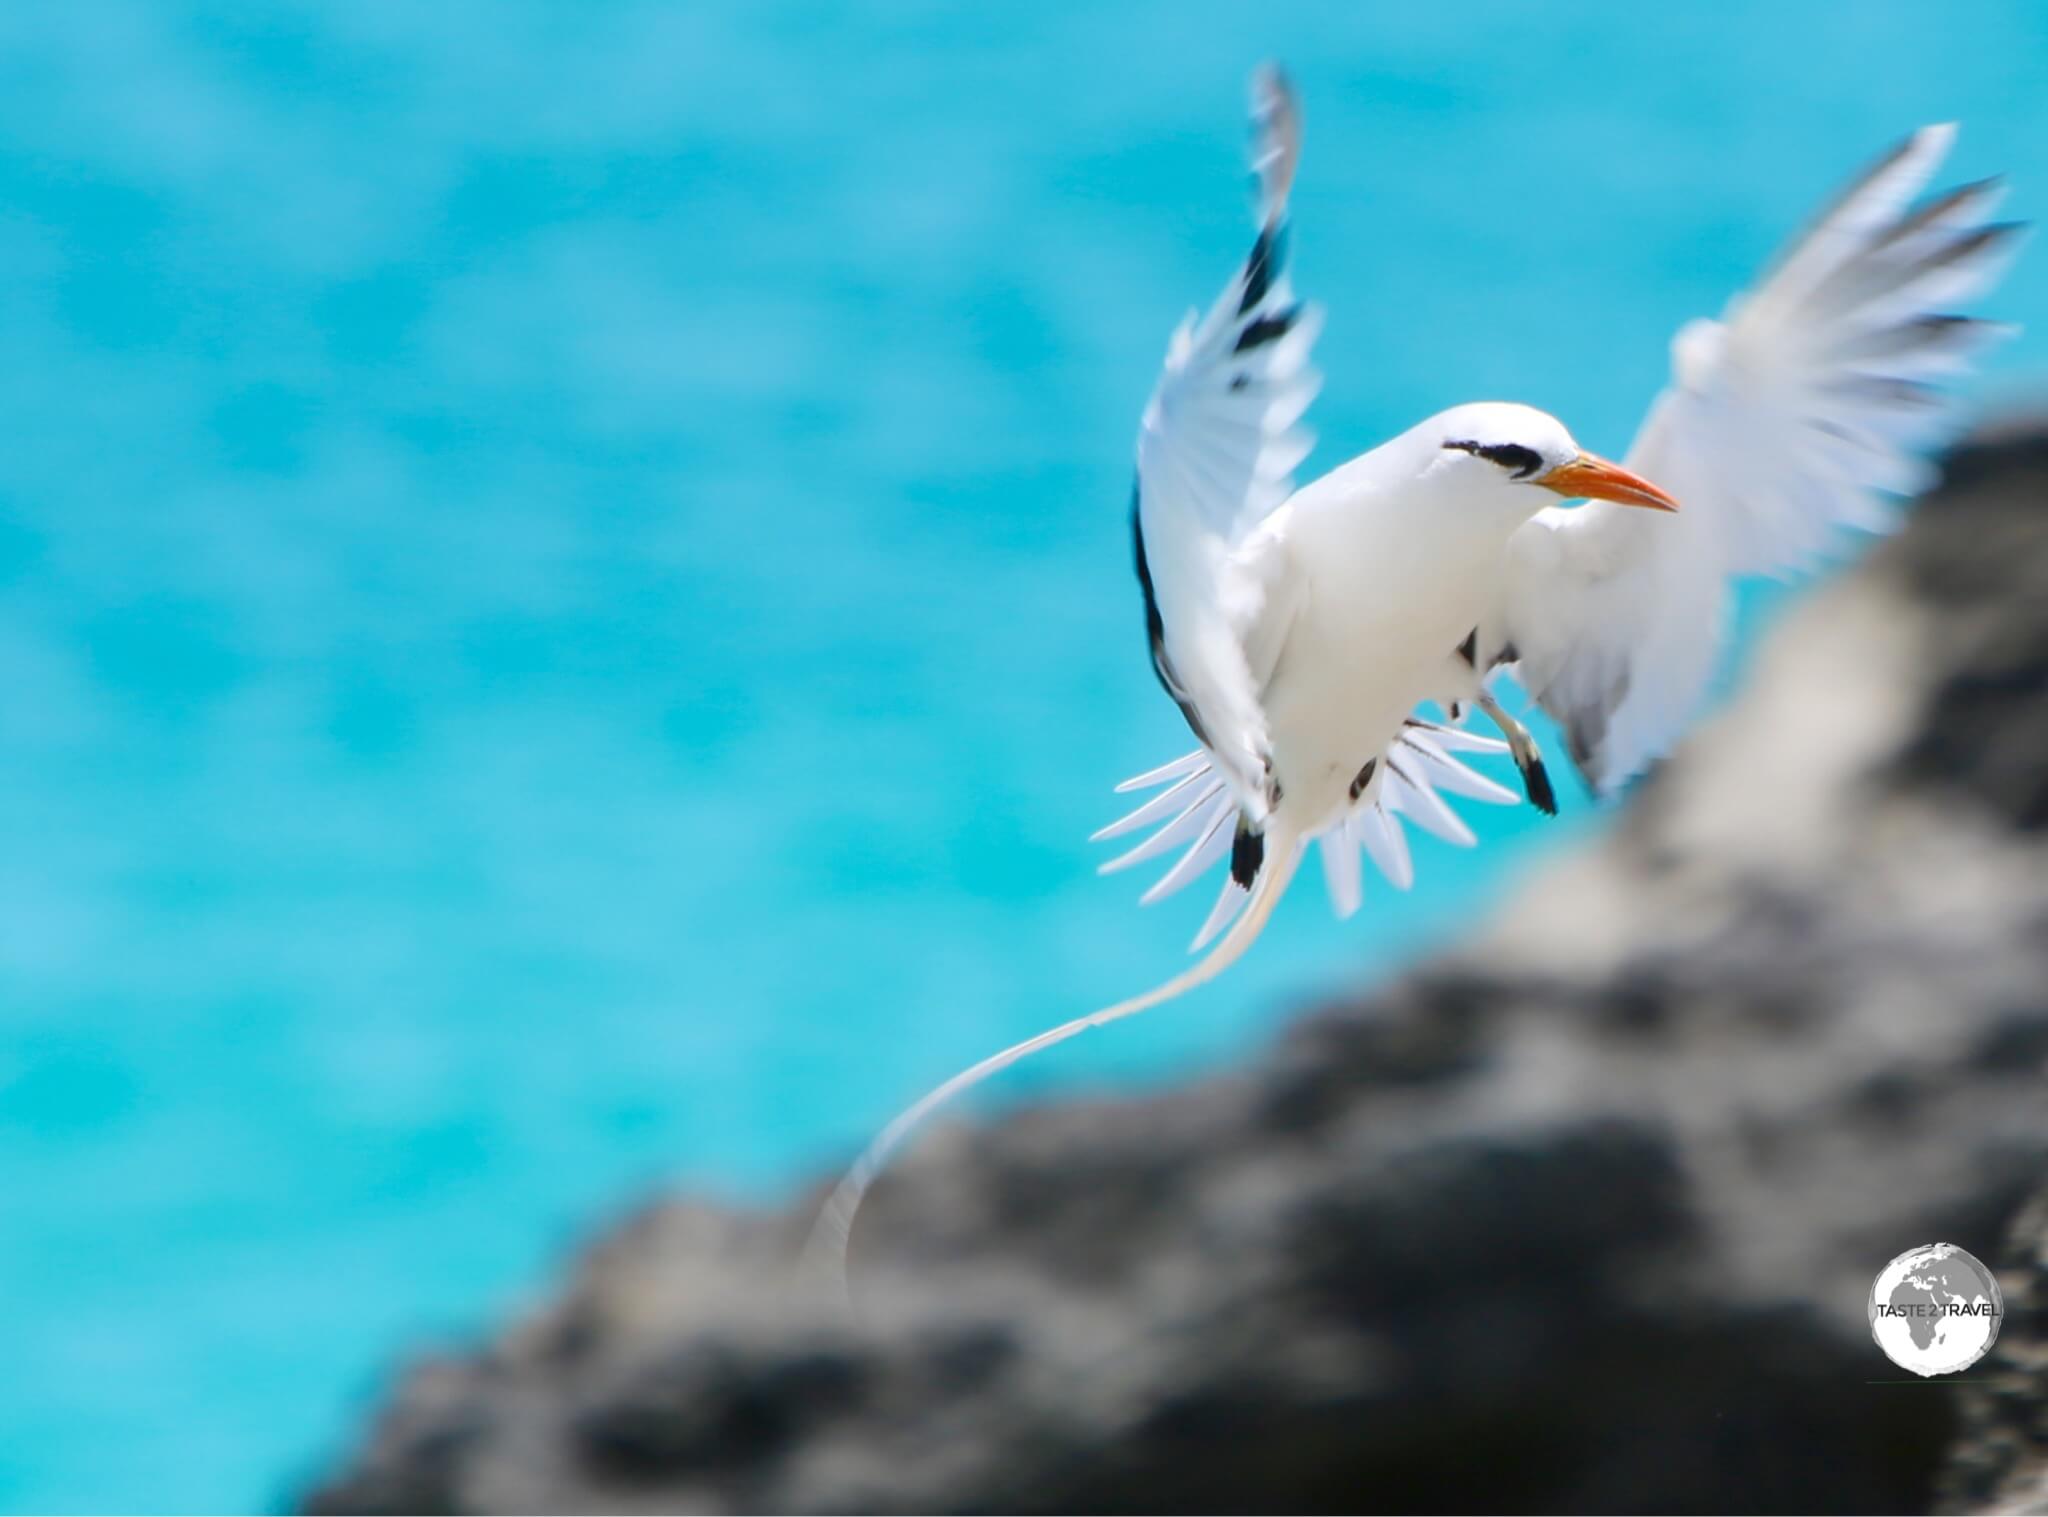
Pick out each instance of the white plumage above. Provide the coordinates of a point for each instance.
(1301, 632)
(1786, 421)
(1779, 423)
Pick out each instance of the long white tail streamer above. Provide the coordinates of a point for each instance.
(826, 1250)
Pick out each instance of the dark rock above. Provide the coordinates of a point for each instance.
(2000, 1459)
(1580, 1217)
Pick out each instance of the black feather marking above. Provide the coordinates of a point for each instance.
(1584, 730)
(1930, 333)
(1267, 255)
(1982, 240)
(1930, 213)
(1363, 778)
(1868, 277)
(1468, 650)
(1247, 853)
(1155, 629)
(1264, 329)
(1911, 394)
(1521, 461)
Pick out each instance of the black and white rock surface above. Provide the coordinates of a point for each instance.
(1580, 1216)
(1999, 1460)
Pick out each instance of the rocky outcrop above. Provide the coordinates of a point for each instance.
(1581, 1216)
(1999, 1461)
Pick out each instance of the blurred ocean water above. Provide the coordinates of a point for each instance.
(564, 595)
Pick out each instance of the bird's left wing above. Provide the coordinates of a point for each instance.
(1780, 422)
(1217, 450)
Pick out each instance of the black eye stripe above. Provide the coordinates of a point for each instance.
(1521, 461)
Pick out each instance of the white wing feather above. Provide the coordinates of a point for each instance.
(1216, 453)
(1779, 423)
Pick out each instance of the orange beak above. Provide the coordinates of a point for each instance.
(1591, 477)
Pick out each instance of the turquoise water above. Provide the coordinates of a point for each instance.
(564, 603)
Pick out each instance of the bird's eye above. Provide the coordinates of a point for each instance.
(1512, 456)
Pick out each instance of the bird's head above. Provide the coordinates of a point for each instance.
(1497, 445)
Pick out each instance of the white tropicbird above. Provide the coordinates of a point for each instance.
(1299, 630)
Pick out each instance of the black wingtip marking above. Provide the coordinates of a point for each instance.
(1936, 209)
(1267, 254)
(1994, 234)
(1468, 650)
(1155, 626)
(1247, 854)
(1264, 329)
(1583, 735)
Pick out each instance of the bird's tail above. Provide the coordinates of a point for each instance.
(825, 1251)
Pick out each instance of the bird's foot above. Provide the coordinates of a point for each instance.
(1528, 757)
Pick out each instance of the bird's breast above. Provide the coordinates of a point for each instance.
(1383, 597)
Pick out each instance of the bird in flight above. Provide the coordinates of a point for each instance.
(1303, 632)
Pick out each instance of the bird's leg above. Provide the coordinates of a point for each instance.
(1528, 757)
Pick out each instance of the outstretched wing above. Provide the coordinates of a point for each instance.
(1782, 423)
(1217, 451)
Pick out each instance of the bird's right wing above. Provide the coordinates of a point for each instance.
(1217, 452)
(1779, 423)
